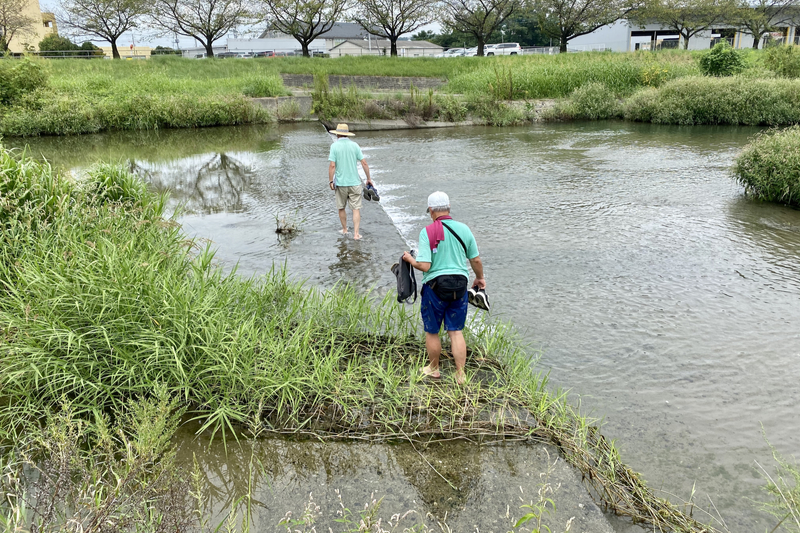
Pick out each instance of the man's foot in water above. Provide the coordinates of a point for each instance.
(357, 236)
(344, 231)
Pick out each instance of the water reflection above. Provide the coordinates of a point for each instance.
(207, 183)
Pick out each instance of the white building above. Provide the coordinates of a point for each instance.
(382, 47)
(623, 36)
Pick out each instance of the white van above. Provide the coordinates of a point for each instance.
(504, 49)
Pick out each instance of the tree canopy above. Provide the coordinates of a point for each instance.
(105, 20)
(305, 20)
(686, 17)
(204, 20)
(566, 19)
(479, 18)
(14, 23)
(392, 19)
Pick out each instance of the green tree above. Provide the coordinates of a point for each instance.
(759, 17)
(304, 20)
(566, 19)
(686, 17)
(479, 18)
(424, 35)
(105, 20)
(391, 19)
(205, 20)
(13, 22)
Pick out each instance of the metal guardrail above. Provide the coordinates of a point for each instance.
(62, 54)
(548, 50)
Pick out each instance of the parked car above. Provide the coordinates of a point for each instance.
(225, 55)
(452, 52)
(505, 49)
(266, 53)
(472, 52)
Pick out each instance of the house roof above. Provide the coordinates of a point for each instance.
(385, 43)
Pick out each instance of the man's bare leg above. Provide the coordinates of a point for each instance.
(343, 220)
(434, 347)
(356, 223)
(459, 348)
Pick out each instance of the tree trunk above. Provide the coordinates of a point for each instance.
(304, 46)
(209, 49)
(562, 45)
(393, 52)
(481, 40)
(756, 41)
(114, 50)
(685, 42)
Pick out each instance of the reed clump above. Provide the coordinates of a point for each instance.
(104, 300)
(769, 166)
(705, 100)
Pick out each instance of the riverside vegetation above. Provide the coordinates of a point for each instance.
(669, 87)
(114, 325)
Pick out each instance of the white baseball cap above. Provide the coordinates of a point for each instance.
(437, 200)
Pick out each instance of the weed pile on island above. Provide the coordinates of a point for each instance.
(105, 301)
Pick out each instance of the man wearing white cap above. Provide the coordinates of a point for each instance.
(444, 249)
(343, 177)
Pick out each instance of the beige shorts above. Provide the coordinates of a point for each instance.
(348, 196)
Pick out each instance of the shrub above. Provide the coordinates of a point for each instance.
(722, 60)
(18, 78)
(494, 112)
(783, 61)
(732, 100)
(769, 167)
(451, 108)
(591, 102)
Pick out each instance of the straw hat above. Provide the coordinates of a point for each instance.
(342, 129)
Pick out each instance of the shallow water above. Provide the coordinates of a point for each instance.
(661, 296)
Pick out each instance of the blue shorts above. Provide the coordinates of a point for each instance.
(434, 311)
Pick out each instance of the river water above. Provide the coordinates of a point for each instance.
(662, 297)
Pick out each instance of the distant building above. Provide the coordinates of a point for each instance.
(382, 47)
(127, 52)
(45, 25)
(340, 32)
(624, 36)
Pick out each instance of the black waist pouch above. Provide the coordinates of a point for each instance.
(449, 287)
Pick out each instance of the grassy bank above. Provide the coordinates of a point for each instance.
(105, 301)
(78, 96)
(769, 167)
(74, 96)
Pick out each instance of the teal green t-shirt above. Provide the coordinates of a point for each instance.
(346, 154)
(449, 257)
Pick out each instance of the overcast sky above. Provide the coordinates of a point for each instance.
(151, 38)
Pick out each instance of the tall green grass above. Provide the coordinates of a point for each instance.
(94, 96)
(558, 76)
(704, 100)
(769, 167)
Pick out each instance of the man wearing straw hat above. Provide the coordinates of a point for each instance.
(343, 177)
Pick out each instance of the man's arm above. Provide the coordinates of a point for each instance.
(477, 267)
(365, 166)
(331, 173)
(408, 258)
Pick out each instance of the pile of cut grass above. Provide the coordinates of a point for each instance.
(769, 167)
(104, 301)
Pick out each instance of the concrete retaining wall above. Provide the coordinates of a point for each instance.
(390, 83)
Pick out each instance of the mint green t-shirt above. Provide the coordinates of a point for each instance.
(346, 154)
(449, 257)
